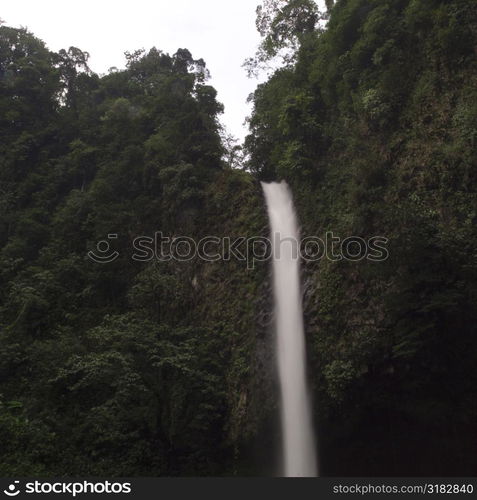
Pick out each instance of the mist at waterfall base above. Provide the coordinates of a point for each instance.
(298, 439)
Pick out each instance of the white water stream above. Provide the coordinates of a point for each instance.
(297, 429)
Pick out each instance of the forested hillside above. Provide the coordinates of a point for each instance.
(125, 368)
(375, 128)
(167, 368)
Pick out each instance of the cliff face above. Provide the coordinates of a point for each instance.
(374, 128)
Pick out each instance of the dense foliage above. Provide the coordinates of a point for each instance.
(115, 369)
(374, 126)
(166, 367)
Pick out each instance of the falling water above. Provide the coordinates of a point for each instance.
(297, 430)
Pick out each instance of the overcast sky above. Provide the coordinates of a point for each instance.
(222, 32)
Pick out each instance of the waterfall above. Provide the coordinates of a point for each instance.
(297, 430)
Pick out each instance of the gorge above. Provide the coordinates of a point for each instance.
(167, 368)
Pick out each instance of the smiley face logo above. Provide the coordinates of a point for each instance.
(103, 253)
(12, 490)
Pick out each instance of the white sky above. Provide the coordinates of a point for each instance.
(222, 32)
